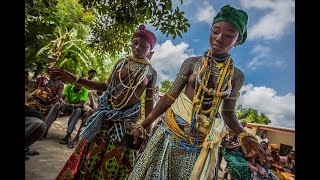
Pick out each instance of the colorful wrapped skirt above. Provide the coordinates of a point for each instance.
(101, 159)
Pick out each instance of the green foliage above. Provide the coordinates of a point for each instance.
(117, 20)
(75, 55)
(44, 20)
(251, 116)
(165, 86)
(102, 29)
(70, 14)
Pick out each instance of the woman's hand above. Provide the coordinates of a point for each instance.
(136, 133)
(251, 144)
(65, 75)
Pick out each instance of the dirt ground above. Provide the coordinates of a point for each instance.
(53, 155)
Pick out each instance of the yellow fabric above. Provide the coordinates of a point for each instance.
(207, 160)
(172, 125)
(274, 146)
(183, 107)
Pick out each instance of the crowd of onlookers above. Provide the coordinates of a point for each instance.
(238, 159)
(47, 98)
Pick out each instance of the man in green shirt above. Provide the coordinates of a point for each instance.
(73, 99)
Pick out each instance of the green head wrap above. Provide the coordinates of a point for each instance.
(238, 18)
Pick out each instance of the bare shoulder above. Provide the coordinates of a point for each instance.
(152, 71)
(153, 74)
(237, 83)
(238, 74)
(189, 64)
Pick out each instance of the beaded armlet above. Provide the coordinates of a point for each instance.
(243, 135)
(141, 129)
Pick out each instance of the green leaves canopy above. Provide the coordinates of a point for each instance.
(251, 116)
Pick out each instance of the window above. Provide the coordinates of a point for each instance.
(284, 149)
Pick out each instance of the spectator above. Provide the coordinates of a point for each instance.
(288, 162)
(262, 136)
(49, 92)
(34, 130)
(73, 98)
(89, 106)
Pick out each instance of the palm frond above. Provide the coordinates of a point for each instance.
(43, 49)
(63, 62)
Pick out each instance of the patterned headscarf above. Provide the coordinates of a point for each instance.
(148, 35)
(238, 18)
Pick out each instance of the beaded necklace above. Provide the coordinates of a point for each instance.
(142, 67)
(208, 65)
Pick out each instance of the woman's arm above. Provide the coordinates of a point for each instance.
(231, 120)
(229, 104)
(166, 101)
(149, 93)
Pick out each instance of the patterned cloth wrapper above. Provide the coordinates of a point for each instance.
(237, 166)
(103, 159)
(165, 158)
(105, 112)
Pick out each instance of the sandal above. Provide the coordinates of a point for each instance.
(71, 144)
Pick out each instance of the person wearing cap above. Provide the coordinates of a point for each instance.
(186, 145)
(99, 153)
(89, 106)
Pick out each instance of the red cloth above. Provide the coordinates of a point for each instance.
(148, 35)
(72, 165)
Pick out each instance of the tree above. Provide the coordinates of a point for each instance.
(46, 18)
(117, 20)
(251, 115)
(75, 55)
(165, 86)
(103, 27)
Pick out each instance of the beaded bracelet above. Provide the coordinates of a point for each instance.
(141, 129)
(148, 99)
(243, 135)
(170, 97)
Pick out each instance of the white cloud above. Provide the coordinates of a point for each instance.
(205, 13)
(261, 52)
(263, 58)
(168, 58)
(279, 109)
(279, 15)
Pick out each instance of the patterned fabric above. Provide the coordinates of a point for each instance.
(105, 112)
(163, 159)
(72, 165)
(44, 96)
(106, 160)
(237, 166)
(39, 105)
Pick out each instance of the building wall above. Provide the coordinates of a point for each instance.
(281, 138)
(276, 137)
(251, 130)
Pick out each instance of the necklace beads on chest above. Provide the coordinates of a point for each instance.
(140, 67)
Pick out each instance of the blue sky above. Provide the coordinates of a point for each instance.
(267, 58)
